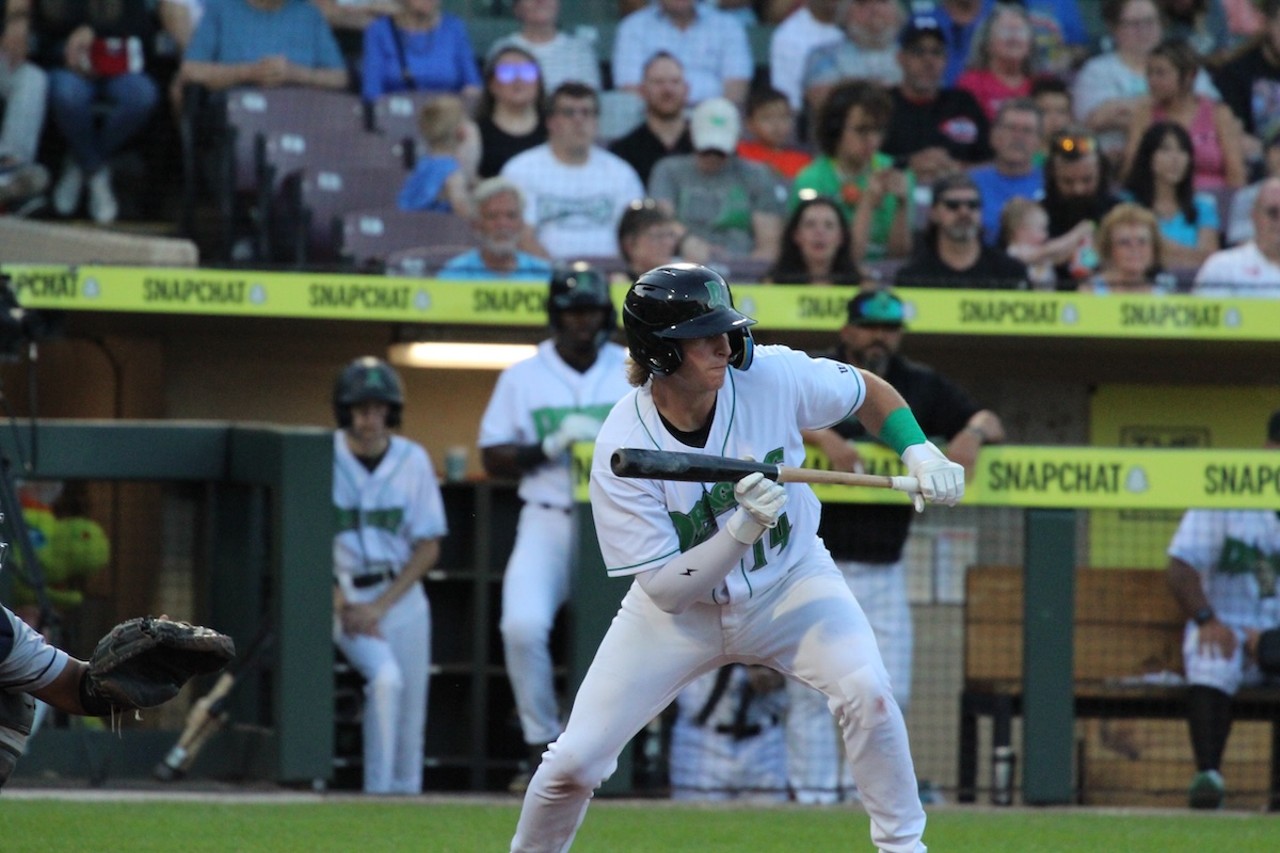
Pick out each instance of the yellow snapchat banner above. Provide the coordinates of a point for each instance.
(1166, 417)
(412, 300)
(1072, 478)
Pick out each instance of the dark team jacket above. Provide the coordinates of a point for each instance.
(953, 121)
(993, 270)
(876, 533)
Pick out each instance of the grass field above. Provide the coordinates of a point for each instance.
(140, 825)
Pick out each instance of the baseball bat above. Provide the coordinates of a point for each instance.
(704, 468)
(209, 714)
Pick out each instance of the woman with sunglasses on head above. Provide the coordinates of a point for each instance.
(1215, 133)
(1161, 182)
(1128, 242)
(510, 114)
(815, 247)
(419, 49)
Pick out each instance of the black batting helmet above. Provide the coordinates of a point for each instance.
(576, 286)
(367, 378)
(678, 302)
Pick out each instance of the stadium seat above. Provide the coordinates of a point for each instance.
(423, 261)
(285, 153)
(221, 134)
(311, 203)
(369, 237)
(396, 114)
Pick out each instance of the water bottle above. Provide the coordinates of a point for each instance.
(1002, 776)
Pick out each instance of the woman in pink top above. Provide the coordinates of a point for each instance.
(1000, 62)
(1218, 158)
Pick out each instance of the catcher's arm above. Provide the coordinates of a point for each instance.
(63, 692)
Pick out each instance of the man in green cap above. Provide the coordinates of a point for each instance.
(867, 540)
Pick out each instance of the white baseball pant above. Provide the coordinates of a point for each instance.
(534, 587)
(395, 668)
(808, 626)
(816, 769)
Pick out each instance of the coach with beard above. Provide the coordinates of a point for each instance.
(867, 540)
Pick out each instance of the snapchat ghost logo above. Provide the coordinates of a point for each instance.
(91, 288)
(257, 294)
(422, 300)
(1070, 315)
(1136, 480)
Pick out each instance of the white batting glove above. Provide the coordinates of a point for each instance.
(760, 503)
(575, 427)
(580, 427)
(941, 480)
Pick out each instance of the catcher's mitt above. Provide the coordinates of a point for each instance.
(144, 662)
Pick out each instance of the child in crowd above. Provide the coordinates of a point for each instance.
(1024, 234)
(771, 128)
(440, 181)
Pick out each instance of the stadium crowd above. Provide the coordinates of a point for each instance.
(866, 103)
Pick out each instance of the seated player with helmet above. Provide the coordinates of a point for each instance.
(390, 523)
(540, 407)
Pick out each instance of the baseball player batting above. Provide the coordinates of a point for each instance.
(390, 522)
(729, 572)
(539, 408)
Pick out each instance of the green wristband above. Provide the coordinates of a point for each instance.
(901, 430)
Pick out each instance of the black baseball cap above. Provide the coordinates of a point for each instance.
(1273, 427)
(876, 308)
(918, 27)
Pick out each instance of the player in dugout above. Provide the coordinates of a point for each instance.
(730, 572)
(867, 540)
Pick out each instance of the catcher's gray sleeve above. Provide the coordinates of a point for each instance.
(27, 662)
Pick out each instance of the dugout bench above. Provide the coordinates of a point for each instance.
(1125, 624)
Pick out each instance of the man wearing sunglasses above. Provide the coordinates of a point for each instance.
(952, 253)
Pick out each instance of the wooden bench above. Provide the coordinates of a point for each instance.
(1126, 625)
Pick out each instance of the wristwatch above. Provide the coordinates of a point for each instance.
(1203, 615)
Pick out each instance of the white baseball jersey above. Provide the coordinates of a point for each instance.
(382, 513)
(642, 523)
(1237, 555)
(27, 662)
(533, 396)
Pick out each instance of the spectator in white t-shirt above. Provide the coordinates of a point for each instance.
(561, 56)
(1252, 268)
(811, 25)
(576, 191)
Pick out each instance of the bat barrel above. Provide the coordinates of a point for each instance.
(684, 467)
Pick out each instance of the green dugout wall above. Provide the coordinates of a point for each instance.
(269, 546)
